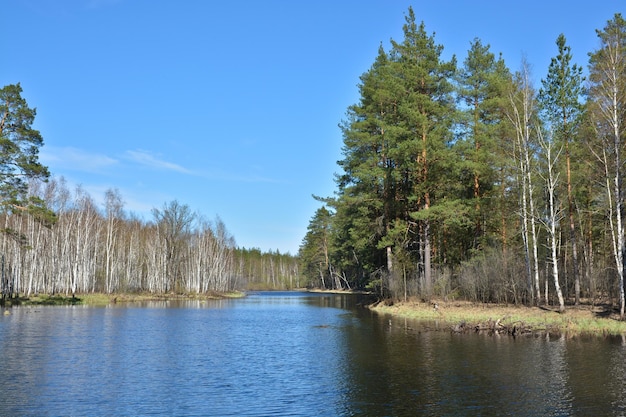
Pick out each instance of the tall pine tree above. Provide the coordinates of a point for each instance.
(426, 112)
(559, 99)
(481, 91)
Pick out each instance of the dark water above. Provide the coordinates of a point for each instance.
(286, 354)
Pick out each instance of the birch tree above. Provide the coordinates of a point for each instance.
(607, 95)
(113, 205)
(174, 223)
(559, 98)
(552, 218)
(19, 162)
(607, 105)
(521, 116)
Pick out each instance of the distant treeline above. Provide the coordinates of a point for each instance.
(463, 179)
(84, 248)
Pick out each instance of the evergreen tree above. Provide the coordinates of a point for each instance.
(426, 111)
(559, 99)
(367, 196)
(314, 251)
(19, 154)
(481, 90)
(502, 201)
(19, 165)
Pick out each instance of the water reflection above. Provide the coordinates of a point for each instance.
(400, 369)
(291, 354)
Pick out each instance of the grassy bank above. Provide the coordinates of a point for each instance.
(106, 299)
(515, 320)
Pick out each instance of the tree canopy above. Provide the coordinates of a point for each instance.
(19, 146)
(454, 183)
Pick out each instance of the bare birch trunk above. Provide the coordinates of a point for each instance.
(522, 111)
(553, 215)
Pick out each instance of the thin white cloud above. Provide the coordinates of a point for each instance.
(148, 159)
(73, 159)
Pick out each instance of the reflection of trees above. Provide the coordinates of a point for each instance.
(596, 376)
(401, 368)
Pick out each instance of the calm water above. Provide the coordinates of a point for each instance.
(286, 354)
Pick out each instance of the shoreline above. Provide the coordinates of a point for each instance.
(454, 316)
(466, 317)
(99, 299)
(323, 291)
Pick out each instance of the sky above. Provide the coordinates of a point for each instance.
(233, 107)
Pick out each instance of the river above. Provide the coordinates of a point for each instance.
(290, 354)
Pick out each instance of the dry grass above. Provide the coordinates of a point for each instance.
(97, 299)
(579, 320)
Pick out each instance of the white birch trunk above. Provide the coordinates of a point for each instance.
(522, 111)
(553, 215)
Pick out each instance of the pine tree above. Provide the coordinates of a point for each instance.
(19, 153)
(481, 91)
(559, 99)
(398, 162)
(314, 251)
(371, 175)
(426, 111)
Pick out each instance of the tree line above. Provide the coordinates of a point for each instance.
(59, 241)
(466, 180)
(86, 249)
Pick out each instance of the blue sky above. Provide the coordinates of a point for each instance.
(232, 107)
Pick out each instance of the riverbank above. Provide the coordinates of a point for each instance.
(332, 291)
(106, 299)
(514, 320)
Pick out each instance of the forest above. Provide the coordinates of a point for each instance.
(465, 180)
(459, 180)
(80, 248)
(57, 240)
